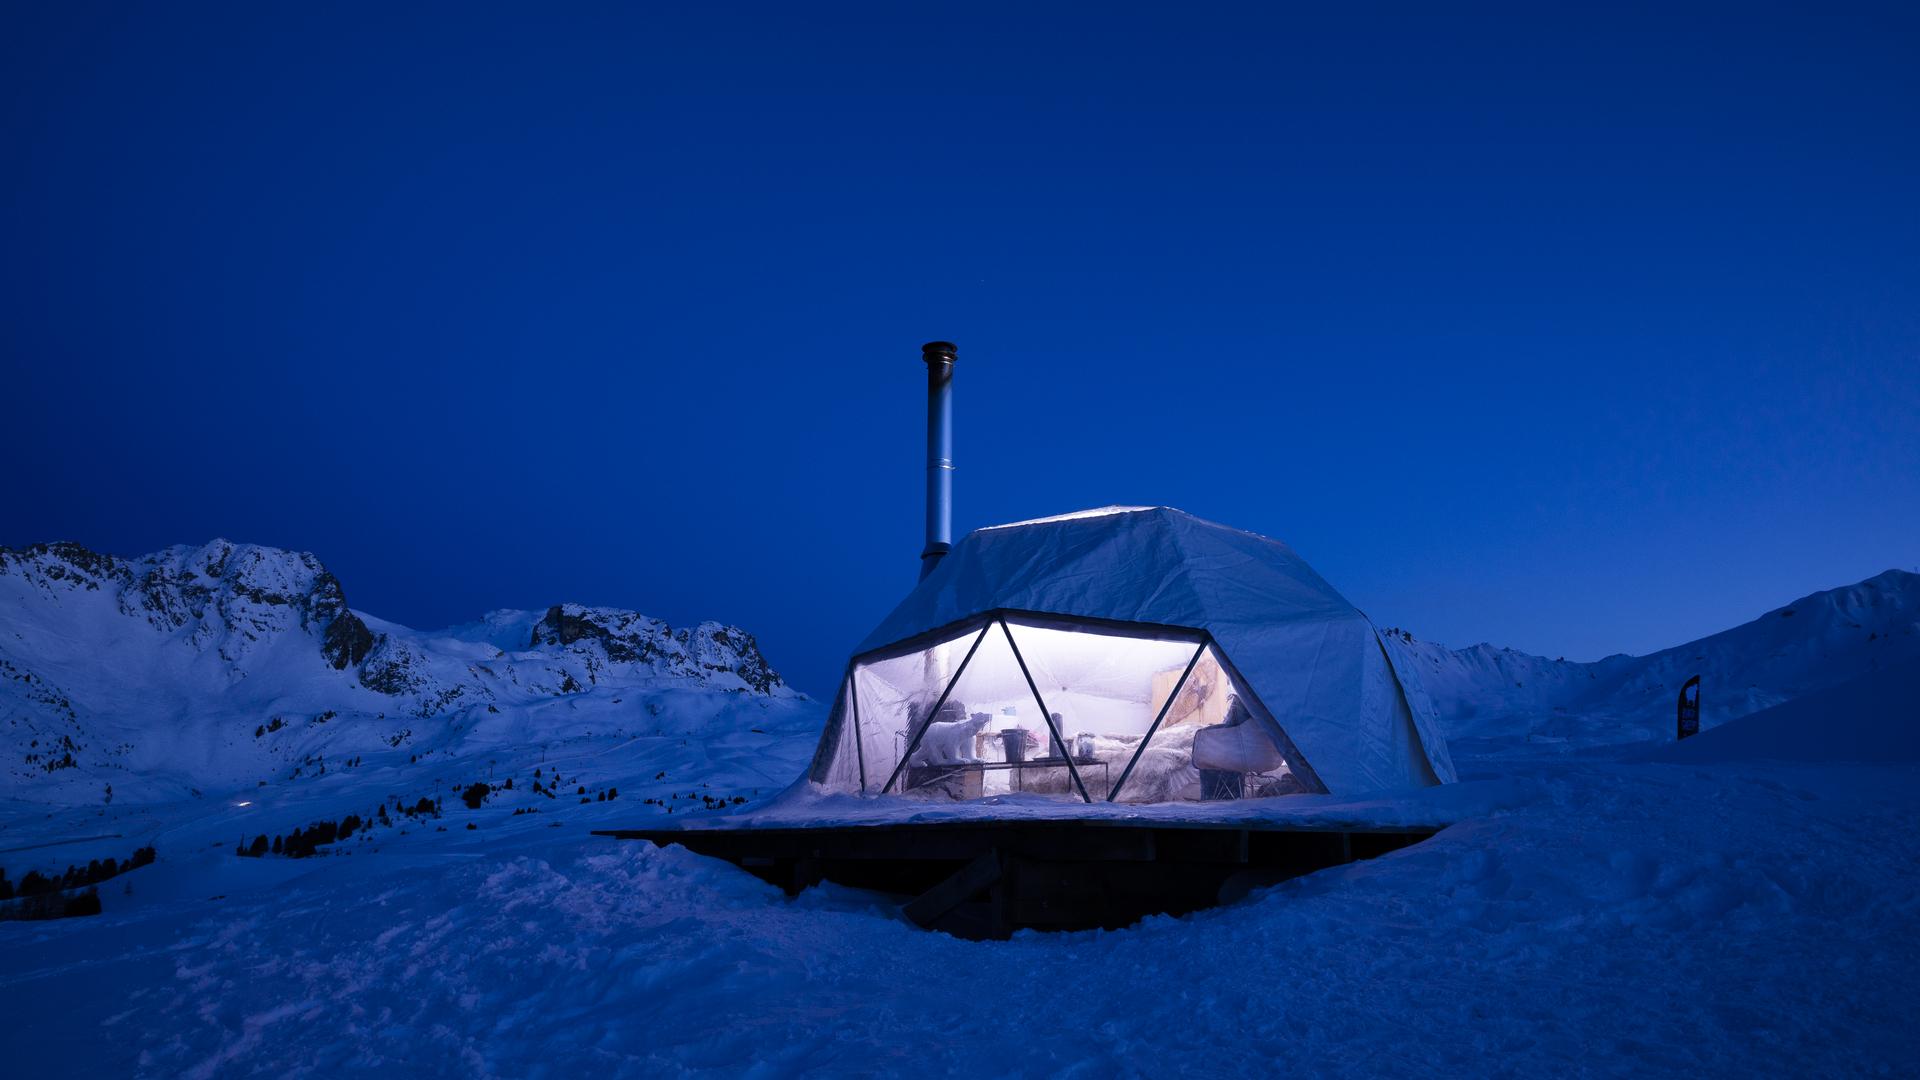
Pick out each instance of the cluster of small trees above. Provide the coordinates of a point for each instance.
(44, 896)
(301, 843)
(54, 905)
(710, 802)
(34, 883)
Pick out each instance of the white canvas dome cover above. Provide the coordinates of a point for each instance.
(1337, 695)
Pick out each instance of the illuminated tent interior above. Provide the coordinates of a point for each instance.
(1132, 655)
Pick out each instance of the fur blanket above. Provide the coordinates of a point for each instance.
(1165, 772)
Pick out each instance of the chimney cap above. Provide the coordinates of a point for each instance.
(939, 350)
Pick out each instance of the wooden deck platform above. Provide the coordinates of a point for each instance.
(987, 879)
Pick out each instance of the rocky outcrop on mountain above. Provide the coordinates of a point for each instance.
(622, 636)
(64, 565)
(107, 661)
(395, 667)
(605, 636)
(713, 647)
(347, 642)
(229, 596)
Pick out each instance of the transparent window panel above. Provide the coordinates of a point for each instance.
(953, 721)
(845, 771)
(894, 695)
(1109, 687)
(1103, 690)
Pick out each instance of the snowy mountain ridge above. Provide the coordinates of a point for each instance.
(1485, 693)
(194, 666)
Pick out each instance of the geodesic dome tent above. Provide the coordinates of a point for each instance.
(1129, 654)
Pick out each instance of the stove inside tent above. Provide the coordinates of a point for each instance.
(1079, 720)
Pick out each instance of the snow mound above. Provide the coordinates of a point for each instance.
(1874, 719)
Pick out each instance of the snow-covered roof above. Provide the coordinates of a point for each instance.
(1320, 668)
(1077, 515)
(1130, 564)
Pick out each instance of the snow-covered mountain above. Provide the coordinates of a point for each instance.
(217, 665)
(1493, 695)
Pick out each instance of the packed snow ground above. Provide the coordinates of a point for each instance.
(1597, 915)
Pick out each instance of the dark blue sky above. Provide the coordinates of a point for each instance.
(1580, 333)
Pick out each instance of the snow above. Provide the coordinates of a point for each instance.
(1872, 719)
(806, 803)
(1600, 902)
(1489, 695)
(1615, 918)
(1076, 515)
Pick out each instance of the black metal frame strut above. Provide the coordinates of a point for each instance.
(914, 743)
(1148, 737)
(853, 702)
(1044, 714)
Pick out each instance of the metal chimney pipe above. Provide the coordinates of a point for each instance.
(939, 357)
